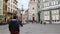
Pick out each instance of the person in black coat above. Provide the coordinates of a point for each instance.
(14, 25)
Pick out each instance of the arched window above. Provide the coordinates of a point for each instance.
(34, 0)
(30, 0)
(33, 8)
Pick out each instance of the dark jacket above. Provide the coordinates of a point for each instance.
(14, 24)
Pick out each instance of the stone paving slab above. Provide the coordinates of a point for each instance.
(34, 29)
(41, 29)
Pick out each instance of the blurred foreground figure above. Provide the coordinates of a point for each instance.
(14, 25)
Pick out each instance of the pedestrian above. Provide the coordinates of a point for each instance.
(41, 22)
(14, 25)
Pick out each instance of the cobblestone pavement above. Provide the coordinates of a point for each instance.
(34, 29)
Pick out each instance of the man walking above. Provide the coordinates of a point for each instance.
(14, 25)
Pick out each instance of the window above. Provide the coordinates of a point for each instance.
(52, 3)
(13, 6)
(56, 2)
(38, 1)
(30, 0)
(8, 4)
(55, 17)
(1, 3)
(46, 15)
(34, 0)
(6, 0)
(42, 5)
(8, 9)
(46, 4)
(55, 14)
(1, 11)
(38, 6)
(13, 11)
(43, 0)
(33, 8)
(55, 11)
(5, 7)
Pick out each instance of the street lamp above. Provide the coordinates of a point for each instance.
(22, 12)
(22, 9)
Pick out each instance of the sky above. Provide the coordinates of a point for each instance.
(24, 3)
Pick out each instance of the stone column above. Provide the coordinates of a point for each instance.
(50, 17)
(59, 14)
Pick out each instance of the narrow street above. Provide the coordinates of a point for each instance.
(34, 29)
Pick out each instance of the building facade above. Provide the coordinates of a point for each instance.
(19, 13)
(26, 16)
(32, 9)
(11, 8)
(3, 10)
(49, 11)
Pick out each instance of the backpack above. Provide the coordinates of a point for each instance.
(13, 25)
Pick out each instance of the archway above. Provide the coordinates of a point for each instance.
(33, 18)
